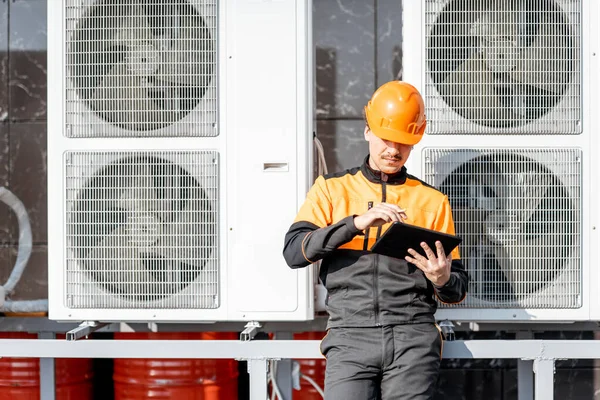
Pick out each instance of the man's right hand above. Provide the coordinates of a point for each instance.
(381, 214)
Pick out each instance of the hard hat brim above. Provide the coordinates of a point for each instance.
(396, 136)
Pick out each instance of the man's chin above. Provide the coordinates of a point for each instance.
(390, 170)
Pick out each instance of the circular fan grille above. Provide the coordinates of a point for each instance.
(501, 63)
(143, 228)
(142, 65)
(518, 224)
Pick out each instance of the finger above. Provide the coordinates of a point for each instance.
(440, 250)
(399, 213)
(417, 256)
(394, 208)
(398, 216)
(384, 216)
(416, 263)
(391, 214)
(391, 205)
(428, 252)
(411, 260)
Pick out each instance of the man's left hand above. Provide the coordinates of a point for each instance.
(435, 268)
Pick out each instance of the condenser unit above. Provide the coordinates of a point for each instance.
(179, 150)
(508, 88)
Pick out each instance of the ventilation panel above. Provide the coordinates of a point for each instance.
(503, 66)
(141, 68)
(519, 213)
(142, 230)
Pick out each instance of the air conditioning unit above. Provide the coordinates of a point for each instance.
(179, 151)
(509, 87)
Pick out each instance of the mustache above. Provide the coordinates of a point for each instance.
(391, 157)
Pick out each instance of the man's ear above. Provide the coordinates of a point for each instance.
(366, 133)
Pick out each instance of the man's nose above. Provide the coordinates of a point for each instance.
(396, 146)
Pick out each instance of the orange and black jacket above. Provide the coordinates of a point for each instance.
(364, 288)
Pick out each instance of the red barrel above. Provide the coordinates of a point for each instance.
(313, 368)
(190, 379)
(20, 377)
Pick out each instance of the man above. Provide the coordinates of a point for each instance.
(382, 340)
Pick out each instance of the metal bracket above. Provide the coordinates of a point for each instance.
(447, 328)
(84, 329)
(251, 329)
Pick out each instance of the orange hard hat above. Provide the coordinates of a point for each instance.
(396, 112)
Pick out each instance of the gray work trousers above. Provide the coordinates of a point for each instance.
(399, 362)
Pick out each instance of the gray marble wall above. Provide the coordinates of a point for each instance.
(23, 136)
(358, 47)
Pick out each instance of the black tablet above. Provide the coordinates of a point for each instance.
(400, 237)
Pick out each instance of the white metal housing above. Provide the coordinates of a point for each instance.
(511, 140)
(179, 150)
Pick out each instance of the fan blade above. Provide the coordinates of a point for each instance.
(187, 244)
(175, 275)
(122, 98)
(130, 25)
(186, 69)
(158, 14)
(530, 188)
(547, 62)
(489, 269)
(179, 99)
(471, 91)
(102, 38)
(117, 264)
(92, 221)
(139, 194)
(545, 224)
(190, 49)
(530, 40)
(190, 237)
(156, 188)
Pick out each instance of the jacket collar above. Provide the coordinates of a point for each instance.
(379, 177)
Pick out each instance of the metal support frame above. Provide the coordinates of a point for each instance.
(525, 371)
(86, 328)
(544, 378)
(257, 369)
(319, 323)
(250, 330)
(284, 375)
(47, 372)
(259, 352)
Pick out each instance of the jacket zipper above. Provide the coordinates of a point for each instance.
(384, 178)
(366, 245)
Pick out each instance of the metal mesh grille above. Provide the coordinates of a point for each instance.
(503, 66)
(519, 215)
(142, 229)
(141, 68)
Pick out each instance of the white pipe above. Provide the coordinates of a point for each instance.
(25, 306)
(23, 254)
(25, 240)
